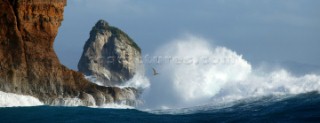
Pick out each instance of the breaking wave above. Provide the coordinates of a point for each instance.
(14, 100)
(193, 73)
(115, 106)
(139, 80)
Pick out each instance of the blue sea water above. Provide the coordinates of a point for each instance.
(299, 108)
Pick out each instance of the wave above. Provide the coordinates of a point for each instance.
(115, 106)
(299, 108)
(16, 100)
(138, 81)
(300, 105)
(193, 72)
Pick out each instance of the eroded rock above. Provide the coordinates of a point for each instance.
(28, 63)
(110, 55)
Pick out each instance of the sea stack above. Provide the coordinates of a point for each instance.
(29, 65)
(109, 55)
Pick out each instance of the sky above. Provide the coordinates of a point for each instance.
(262, 31)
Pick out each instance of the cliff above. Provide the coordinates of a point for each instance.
(109, 55)
(29, 65)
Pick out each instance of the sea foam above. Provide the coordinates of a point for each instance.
(14, 100)
(193, 72)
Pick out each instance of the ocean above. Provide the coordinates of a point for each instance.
(298, 108)
(192, 90)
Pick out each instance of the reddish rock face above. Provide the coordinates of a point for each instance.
(28, 63)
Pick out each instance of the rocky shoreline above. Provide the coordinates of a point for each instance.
(29, 65)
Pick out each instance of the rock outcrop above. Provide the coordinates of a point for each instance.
(29, 65)
(109, 55)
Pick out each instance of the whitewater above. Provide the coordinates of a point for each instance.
(194, 72)
(197, 75)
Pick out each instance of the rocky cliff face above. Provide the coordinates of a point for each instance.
(109, 55)
(29, 65)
